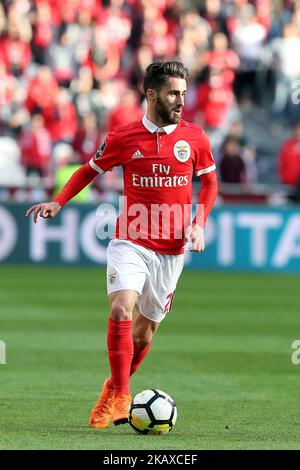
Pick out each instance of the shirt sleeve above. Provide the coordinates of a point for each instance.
(79, 180)
(207, 197)
(204, 160)
(108, 155)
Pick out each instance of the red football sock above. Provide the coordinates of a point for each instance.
(138, 357)
(120, 353)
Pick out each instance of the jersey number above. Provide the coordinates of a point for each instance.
(169, 304)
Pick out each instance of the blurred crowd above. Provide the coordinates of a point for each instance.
(71, 70)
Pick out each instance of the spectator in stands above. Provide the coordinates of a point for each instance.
(81, 34)
(287, 12)
(87, 139)
(222, 58)
(236, 10)
(104, 55)
(151, 12)
(295, 17)
(7, 85)
(143, 58)
(41, 91)
(289, 162)
(248, 152)
(107, 100)
(13, 115)
(212, 13)
(15, 51)
(237, 130)
(35, 145)
(2, 19)
(215, 105)
(62, 60)
(264, 13)
(196, 29)
(60, 118)
(286, 64)
(124, 112)
(232, 167)
(248, 37)
(116, 23)
(82, 89)
(193, 43)
(42, 31)
(162, 43)
(98, 49)
(215, 97)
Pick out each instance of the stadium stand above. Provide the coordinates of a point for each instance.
(71, 70)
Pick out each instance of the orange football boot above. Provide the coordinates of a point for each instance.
(102, 412)
(121, 408)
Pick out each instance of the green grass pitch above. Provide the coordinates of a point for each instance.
(224, 355)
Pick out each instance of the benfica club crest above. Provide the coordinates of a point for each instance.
(112, 277)
(182, 151)
(100, 151)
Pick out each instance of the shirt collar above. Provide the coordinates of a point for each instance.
(153, 127)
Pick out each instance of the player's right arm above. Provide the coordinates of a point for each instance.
(105, 159)
(45, 209)
(79, 180)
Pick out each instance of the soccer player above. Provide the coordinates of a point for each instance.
(159, 155)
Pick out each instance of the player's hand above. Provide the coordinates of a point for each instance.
(46, 210)
(194, 236)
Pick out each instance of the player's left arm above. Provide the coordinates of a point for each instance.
(195, 232)
(205, 168)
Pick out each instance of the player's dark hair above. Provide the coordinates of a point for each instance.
(158, 73)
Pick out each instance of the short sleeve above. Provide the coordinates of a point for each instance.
(108, 155)
(204, 160)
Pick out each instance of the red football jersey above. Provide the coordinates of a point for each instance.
(158, 165)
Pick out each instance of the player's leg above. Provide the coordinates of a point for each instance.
(154, 303)
(142, 332)
(126, 273)
(114, 399)
(127, 347)
(119, 340)
(120, 350)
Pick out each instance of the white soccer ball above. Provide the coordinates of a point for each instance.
(152, 412)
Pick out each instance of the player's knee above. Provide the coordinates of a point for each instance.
(119, 312)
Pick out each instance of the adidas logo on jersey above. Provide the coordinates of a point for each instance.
(137, 154)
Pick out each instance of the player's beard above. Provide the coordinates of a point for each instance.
(167, 115)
